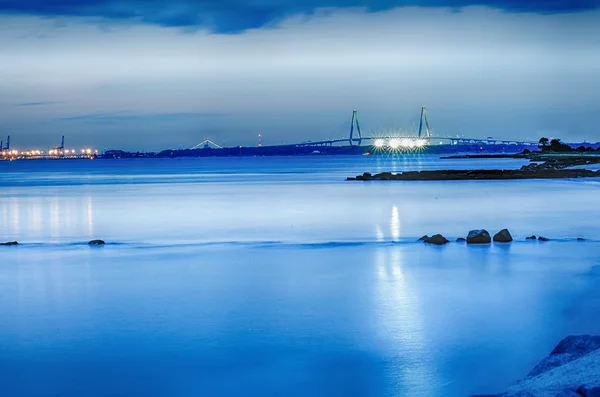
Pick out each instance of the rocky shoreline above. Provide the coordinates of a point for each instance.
(571, 370)
(551, 168)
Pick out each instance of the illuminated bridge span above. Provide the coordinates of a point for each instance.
(423, 138)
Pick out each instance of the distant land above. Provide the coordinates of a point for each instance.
(290, 150)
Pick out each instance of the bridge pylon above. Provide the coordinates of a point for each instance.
(427, 135)
(352, 123)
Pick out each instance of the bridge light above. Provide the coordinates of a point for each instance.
(405, 143)
(379, 143)
(411, 144)
(394, 143)
(421, 142)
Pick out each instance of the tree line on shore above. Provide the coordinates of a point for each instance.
(555, 145)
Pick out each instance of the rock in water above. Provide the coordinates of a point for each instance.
(503, 236)
(569, 349)
(437, 239)
(580, 239)
(424, 238)
(531, 238)
(96, 242)
(543, 238)
(479, 237)
(461, 240)
(10, 243)
(572, 369)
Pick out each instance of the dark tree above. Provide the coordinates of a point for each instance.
(544, 141)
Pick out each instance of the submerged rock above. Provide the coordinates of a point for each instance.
(531, 238)
(580, 239)
(503, 236)
(10, 243)
(543, 238)
(479, 237)
(96, 242)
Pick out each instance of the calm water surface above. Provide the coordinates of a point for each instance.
(274, 276)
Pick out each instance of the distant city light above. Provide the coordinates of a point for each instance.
(379, 143)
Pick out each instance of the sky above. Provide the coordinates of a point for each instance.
(151, 75)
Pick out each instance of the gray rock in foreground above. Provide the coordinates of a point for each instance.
(571, 369)
(503, 236)
(479, 237)
(96, 242)
(569, 349)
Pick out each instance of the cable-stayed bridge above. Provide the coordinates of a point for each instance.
(394, 141)
(391, 140)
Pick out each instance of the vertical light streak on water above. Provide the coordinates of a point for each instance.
(67, 221)
(395, 223)
(35, 216)
(90, 216)
(15, 219)
(379, 233)
(55, 218)
(4, 206)
(400, 324)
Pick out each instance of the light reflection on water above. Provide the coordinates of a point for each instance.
(386, 316)
(399, 321)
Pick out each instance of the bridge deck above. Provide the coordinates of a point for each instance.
(452, 140)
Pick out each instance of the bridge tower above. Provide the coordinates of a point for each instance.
(424, 119)
(352, 123)
(8, 143)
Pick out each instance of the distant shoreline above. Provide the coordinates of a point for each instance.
(554, 167)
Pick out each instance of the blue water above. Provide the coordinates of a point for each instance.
(274, 276)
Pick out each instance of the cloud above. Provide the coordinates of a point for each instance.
(43, 103)
(122, 117)
(480, 71)
(235, 16)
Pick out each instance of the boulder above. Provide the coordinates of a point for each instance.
(569, 349)
(96, 242)
(424, 238)
(437, 239)
(531, 238)
(543, 238)
(568, 393)
(479, 237)
(589, 391)
(10, 243)
(461, 240)
(571, 369)
(503, 236)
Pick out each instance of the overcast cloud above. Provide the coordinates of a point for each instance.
(120, 82)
